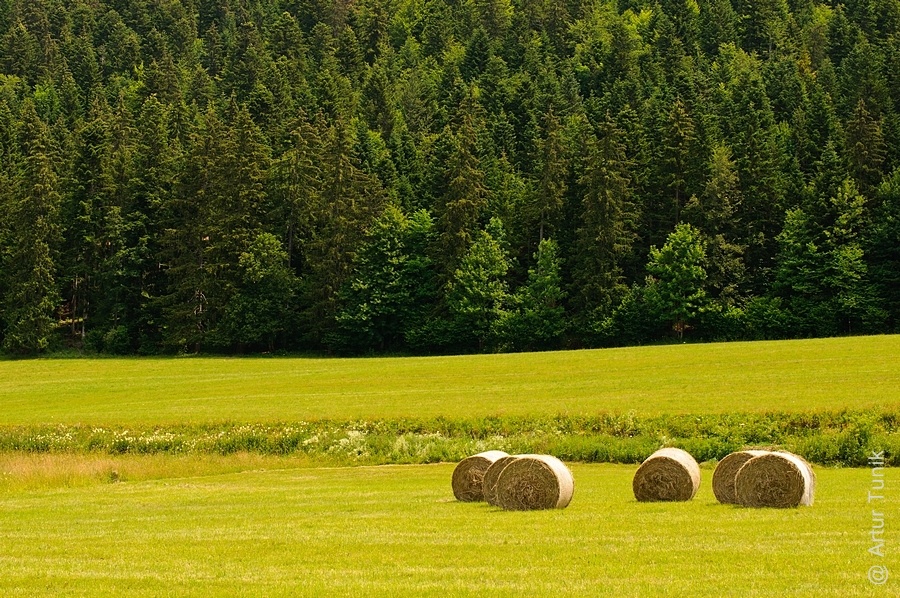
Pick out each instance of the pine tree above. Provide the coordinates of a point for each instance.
(297, 185)
(349, 202)
(391, 288)
(822, 271)
(865, 148)
(679, 155)
(29, 271)
(883, 248)
(465, 195)
(220, 208)
(262, 309)
(604, 237)
(93, 218)
(713, 213)
(548, 200)
(152, 188)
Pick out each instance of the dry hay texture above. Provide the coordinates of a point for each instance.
(776, 479)
(492, 475)
(469, 474)
(669, 474)
(533, 482)
(726, 472)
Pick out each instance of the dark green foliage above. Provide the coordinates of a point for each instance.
(261, 309)
(165, 140)
(31, 235)
(391, 286)
(884, 249)
(477, 291)
(822, 271)
(536, 319)
(603, 238)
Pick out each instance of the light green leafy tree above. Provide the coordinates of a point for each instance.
(477, 292)
(263, 308)
(391, 286)
(677, 277)
(537, 318)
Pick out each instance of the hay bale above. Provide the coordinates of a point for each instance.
(726, 472)
(532, 482)
(469, 474)
(492, 475)
(669, 474)
(775, 479)
(812, 476)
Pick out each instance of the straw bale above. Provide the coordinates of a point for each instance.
(726, 471)
(492, 475)
(532, 482)
(669, 474)
(775, 479)
(469, 474)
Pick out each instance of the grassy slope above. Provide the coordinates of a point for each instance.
(396, 530)
(265, 526)
(803, 375)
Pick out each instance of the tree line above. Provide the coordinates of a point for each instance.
(445, 175)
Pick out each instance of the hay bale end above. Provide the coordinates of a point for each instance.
(469, 474)
(533, 482)
(669, 474)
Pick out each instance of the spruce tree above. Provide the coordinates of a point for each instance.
(31, 297)
(604, 236)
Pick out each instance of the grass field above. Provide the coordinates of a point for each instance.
(90, 522)
(396, 530)
(804, 375)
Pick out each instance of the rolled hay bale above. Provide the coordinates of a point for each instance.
(533, 482)
(812, 474)
(775, 479)
(726, 472)
(669, 474)
(492, 475)
(469, 474)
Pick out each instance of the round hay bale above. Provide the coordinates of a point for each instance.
(726, 471)
(492, 475)
(812, 474)
(776, 479)
(669, 474)
(469, 473)
(533, 482)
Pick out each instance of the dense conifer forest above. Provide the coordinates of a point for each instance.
(422, 176)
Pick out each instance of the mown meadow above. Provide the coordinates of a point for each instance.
(316, 476)
(696, 379)
(396, 531)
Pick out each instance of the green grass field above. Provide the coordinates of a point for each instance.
(99, 524)
(396, 530)
(845, 373)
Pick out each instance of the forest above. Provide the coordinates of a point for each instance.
(445, 176)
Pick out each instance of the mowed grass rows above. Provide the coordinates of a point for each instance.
(793, 376)
(89, 523)
(396, 531)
